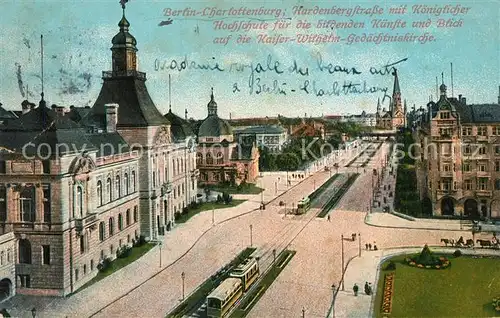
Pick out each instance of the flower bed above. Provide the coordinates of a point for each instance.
(426, 260)
(388, 291)
(496, 304)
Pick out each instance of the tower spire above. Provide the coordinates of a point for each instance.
(169, 94)
(42, 101)
(212, 105)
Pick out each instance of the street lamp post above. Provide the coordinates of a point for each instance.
(342, 278)
(160, 254)
(303, 312)
(274, 256)
(251, 239)
(359, 245)
(213, 216)
(183, 275)
(275, 187)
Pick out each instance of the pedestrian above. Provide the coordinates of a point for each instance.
(375, 246)
(366, 246)
(328, 217)
(370, 247)
(355, 289)
(367, 288)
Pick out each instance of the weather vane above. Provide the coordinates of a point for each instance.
(122, 2)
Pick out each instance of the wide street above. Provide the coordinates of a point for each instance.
(199, 248)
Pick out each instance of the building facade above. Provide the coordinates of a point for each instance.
(458, 170)
(364, 119)
(219, 158)
(396, 116)
(76, 185)
(273, 138)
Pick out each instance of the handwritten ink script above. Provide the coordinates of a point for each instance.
(308, 24)
(262, 75)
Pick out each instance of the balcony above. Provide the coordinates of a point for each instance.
(445, 192)
(86, 221)
(484, 174)
(484, 193)
(195, 173)
(166, 188)
(446, 174)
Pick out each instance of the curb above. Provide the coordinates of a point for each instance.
(413, 228)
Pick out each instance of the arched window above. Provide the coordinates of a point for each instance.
(178, 166)
(220, 158)
(111, 226)
(27, 206)
(79, 202)
(199, 159)
(120, 222)
(210, 160)
(99, 193)
(182, 166)
(173, 167)
(133, 181)
(117, 187)
(126, 183)
(127, 218)
(24, 251)
(102, 230)
(108, 190)
(135, 214)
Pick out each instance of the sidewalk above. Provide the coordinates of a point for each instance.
(365, 269)
(392, 221)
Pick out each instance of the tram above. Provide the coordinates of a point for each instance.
(303, 205)
(222, 299)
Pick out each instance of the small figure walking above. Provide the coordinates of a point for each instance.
(366, 246)
(375, 246)
(328, 217)
(355, 289)
(367, 288)
(370, 247)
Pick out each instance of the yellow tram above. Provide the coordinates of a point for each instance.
(303, 205)
(223, 298)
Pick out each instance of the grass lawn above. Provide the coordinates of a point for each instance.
(118, 263)
(205, 207)
(465, 289)
(247, 188)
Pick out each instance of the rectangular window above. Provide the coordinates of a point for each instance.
(483, 184)
(3, 203)
(482, 150)
(46, 254)
(47, 215)
(446, 168)
(466, 131)
(482, 167)
(25, 281)
(3, 168)
(46, 166)
(497, 165)
(481, 131)
(496, 130)
(467, 150)
(445, 115)
(497, 150)
(466, 167)
(468, 184)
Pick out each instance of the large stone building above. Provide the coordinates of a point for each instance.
(76, 186)
(396, 116)
(458, 171)
(221, 159)
(273, 137)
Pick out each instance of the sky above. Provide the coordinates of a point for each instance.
(77, 40)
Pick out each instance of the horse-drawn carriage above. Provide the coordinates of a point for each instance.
(493, 243)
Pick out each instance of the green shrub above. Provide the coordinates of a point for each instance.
(457, 253)
(123, 251)
(104, 264)
(391, 266)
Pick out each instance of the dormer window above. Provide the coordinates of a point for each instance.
(444, 115)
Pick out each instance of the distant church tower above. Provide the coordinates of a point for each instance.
(398, 113)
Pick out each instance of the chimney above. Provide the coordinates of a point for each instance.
(111, 117)
(460, 97)
(464, 101)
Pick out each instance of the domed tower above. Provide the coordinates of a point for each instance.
(212, 105)
(124, 48)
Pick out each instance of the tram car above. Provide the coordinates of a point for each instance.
(303, 205)
(222, 299)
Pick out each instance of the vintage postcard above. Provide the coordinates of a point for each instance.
(250, 158)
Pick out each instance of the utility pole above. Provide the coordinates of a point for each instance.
(342, 278)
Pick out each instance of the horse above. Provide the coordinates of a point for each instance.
(460, 241)
(469, 243)
(445, 241)
(484, 243)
